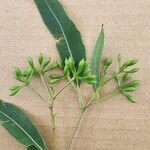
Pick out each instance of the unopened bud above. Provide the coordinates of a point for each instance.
(66, 70)
(46, 62)
(107, 62)
(128, 89)
(52, 81)
(17, 72)
(133, 70)
(31, 63)
(134, 83)
(134, 61)
(40, 58)
(82, 63)
(127, 76)
(131, 98)
(15, 90)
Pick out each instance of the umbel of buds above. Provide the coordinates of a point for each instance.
(82, 73)
(125, 87)
(24, 76)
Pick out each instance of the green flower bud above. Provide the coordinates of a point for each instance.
(53, 66)
(14, 90)
(133, 84)
(133, 70)
(31, 63)
(134, 61)
(86, 72)
(89, 79)
(19, 78)
(107, 62)
(129, 89)
(46, 62)
(66, 61)
(81, 64)
(66, 70)
(83, 67)
(52, 81)
(14, 87)
(71, 63)
(129, 63)
(40, 58)
(56, 76)
(126, 64)
(130, 98)
(127, 76)
(18, 72)
(29, 72)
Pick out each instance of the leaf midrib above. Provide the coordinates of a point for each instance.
(23, 130)
(60, 27)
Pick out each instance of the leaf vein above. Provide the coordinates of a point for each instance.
(60, 28)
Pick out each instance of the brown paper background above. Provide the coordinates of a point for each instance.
(112, 125)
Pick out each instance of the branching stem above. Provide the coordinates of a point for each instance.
(54, 144)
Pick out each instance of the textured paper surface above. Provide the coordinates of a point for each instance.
(112, 125)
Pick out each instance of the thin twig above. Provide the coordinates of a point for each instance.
(46, 87)
(54, 144)
(80, 98)
(75, 131)
(63, 88)
(114, 92)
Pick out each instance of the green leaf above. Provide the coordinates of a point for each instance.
(20, 126)
(68, 38)
(96, 58)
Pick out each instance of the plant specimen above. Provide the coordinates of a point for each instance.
(74, 68)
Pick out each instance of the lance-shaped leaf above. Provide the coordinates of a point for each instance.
(96, 58)
(69, 42)
(14, 120)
